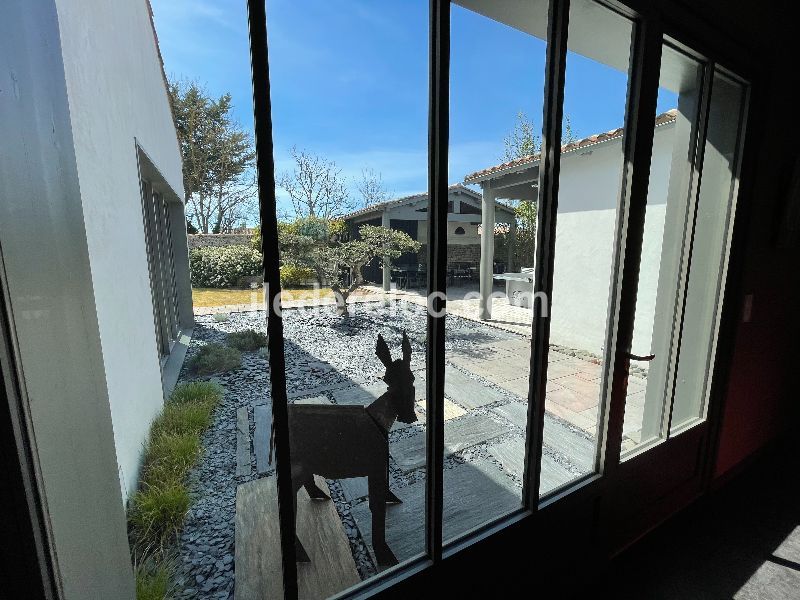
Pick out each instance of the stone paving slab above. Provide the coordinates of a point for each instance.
(298, 392)
(511, 454)
(579, 449)
(354, 488)
(560, 368)
(588, 388)
(366, 394)
(257, 545)
(242, 442)
(498, 370)
(409, 453)
(572, 399)
(518, 387)
(574, 446)
(516, 412)
(314, 400)
(468, 392)
(360, 394)
(473, 493)
(262, 416)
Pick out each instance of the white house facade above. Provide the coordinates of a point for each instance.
(91, 264)
(589, 192)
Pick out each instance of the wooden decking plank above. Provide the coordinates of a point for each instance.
(258, 564)
(262, 416)
(242, 442)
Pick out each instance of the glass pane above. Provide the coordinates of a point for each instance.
(488, 340)
(349, 107)
(713, 215)
(664, 249)
(586, 236)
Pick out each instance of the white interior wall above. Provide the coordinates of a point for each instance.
(117, 98)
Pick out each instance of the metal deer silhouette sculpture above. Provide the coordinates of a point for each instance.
(341, 441)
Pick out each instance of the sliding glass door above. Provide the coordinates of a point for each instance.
(525, 306)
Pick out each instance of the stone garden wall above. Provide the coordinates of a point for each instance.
(456, 253)
(201, 240)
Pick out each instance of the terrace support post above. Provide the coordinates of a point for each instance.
(386, 270)
(487, 253)
(512, 241)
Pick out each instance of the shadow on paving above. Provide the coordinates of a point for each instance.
(476, 490)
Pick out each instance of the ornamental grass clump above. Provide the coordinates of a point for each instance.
(248, 340)
(156, 512)
(215, 358)
(154, 579)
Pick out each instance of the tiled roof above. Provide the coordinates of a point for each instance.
(456, 187)
(597, 138)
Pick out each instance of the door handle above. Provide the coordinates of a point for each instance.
(647, 358)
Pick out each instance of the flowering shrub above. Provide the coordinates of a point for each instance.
(223, 266)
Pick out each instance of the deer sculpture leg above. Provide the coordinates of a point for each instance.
(378, 488)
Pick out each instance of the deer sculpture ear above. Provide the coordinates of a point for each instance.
(382, 352)
(406, 349)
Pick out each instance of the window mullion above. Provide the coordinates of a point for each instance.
(265, 167)
(637, 148)
(699, 144)
(438, 122)
(555, 69)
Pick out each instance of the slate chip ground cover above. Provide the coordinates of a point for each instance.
(324, 353)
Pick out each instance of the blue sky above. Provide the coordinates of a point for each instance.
(350, 82)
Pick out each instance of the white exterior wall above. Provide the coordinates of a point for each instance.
(81, 83)
(117, 98)
(470, 236)
(587, 211)
(46, 263)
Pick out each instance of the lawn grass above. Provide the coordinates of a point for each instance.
(210, 297)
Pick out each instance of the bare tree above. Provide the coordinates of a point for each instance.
(315, 186)
(371, 188)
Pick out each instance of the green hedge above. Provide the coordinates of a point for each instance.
(221, 267)
(293, 276)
